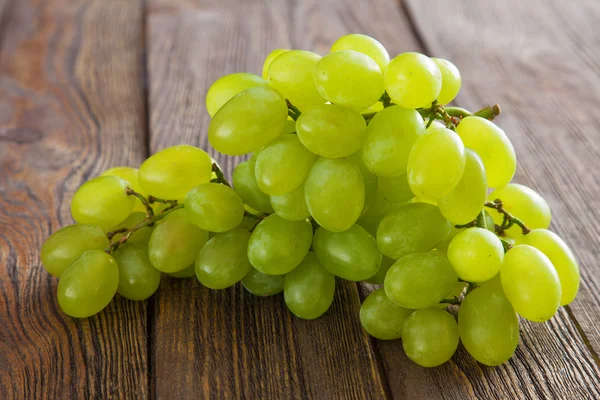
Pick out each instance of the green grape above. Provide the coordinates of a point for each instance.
(175, 243)
(323, 126)
(488, 326)
(381, 318)
(351, 254)
(430, 337)
(187, 272)
(451, 81)
(463, 203)
(260, 284)
(223, 261)
(492, 145)
(308, 289)
(292, 205)
(443, 246)
(88, 284)
(335, 193)
(131, 176)
(378, 209)
(289, 127)
(562, 259)
(419, 280)
(277, 246)
(272, 55)
(102, 201)
(363, 44)
(391, 135)
(249, 121)
(531, 283)
(65, 245)
(283, 165)
(413, 228)
(395, 189)
(226, 87)
(369, 180)
(476, 255)
(349, 78)
(493, 284)
(214, 207)
(436, 164)
(412, 80)
(138, 279)
(172, 172)
(291, 74)
(379, 277)
(244, 182)
(141, 237)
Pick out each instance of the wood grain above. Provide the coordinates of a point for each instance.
(71, 105)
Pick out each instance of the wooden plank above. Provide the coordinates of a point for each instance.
(71, 105)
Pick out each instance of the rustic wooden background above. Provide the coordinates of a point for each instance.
(86, 85)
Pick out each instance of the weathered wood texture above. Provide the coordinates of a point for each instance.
(71, 105)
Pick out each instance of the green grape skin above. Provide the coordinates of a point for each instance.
(530, 283)
(395, 189)
(249, 121)
(562, 259)
(419, 280)
(175, 243)
(381, 318)
(260, 284)
(272, 55)
(131, 176)
(321, 126)
(226, 87)
(451, 81)
(140, 237)
(476, 255)
(375, 108)
(68, 243)
(244, 182)
(363, 44)
(283, 165)
(492, 145)
(223, 261)
(88, 284)
(412, 80)
(277, 246)
(391, 135)
(292, 205)
(369, 180)
(493, 284)
(172, 172)
(378, 209)
(430, 337)
(464, 202)
(214, 207)
(187, 272)
(349, 78)
(248, 223)
(436, 164)
(335, 193)
(138, 279)
(379, 277)
(291, 74)
(489, 221)
(352, 254)
(413, 228)
(289, 127)
(308, 290)
(443, 246)
(488, 326)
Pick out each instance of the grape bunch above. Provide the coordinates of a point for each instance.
(358, 170)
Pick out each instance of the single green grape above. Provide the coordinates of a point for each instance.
(249, 121)
(138, 279)
(214, 207)
(175, 243)
(451, 81)
(430, 337)
(531, 283)
(391, 135)
(172, 172)
(382, 318)
(141, 237)
(491, 144)
(419, 280)
(277, 246)
(351, 254)
(260, 284)
(412, 80)
(308, 289)
(363, 44)
(562, 259)
(226, 87)
(223, 261)
(379, 277)
(325, 125)
(283, 165)
(244, 182)
(187, 272)
(395, 188)
(292, 205)
(131, 176)
(488, 326)
(88, 284)
(335, 193)
(102, 201)
(65, 245)
(493, 284)
(476, 254)
(369, 180)
(272, 55)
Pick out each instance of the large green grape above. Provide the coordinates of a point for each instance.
(244, 182)
(131, 176)
(476, 254)
(260, 284)
(214, 207)
(382, 318)
(363, 44)
(272, 55)
(138, 279)
(140, 237)
(379, 277)
(451, 81)
(292, 205)
(412, 80)
(395, 189)
(224, 88)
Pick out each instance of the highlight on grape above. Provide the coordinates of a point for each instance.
(360, 171)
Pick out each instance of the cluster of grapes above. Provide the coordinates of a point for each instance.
(359, 171)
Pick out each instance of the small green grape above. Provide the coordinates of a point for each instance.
(451, 81)
(131, 176)
(272, 55)
(226, 87)
(476, 254)
(363, 44)
(292, 205)
(412, 80)
(493, 284)
(244, 182)
(382, 318)
(260, 284)
(214, 207)
(138, 279)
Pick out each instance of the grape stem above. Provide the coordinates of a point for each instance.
(220, 176)
(509, 220)
(145, 202)
(112, 234)
(293, 111)
(152, 200)
(452, 115)
(455, 301)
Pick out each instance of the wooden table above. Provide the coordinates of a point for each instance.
(86, 85)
